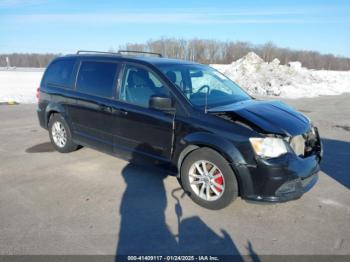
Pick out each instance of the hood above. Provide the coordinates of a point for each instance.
(273, 117)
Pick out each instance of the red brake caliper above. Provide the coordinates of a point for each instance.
(218, 180)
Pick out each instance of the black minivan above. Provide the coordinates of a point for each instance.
(184, 117)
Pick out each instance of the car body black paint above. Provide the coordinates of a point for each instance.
(163, 138)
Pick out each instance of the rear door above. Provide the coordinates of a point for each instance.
(141, 131)
(91, 116)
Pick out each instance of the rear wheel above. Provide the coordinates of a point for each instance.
(60, 134)
(208, 179)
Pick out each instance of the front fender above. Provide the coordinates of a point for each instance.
(226, 148)
(223, 146)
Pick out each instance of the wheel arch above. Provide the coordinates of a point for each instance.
(216, 143)
(53, 109)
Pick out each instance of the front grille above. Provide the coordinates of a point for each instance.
(304, 145)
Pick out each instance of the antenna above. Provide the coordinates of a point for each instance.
(206, 100)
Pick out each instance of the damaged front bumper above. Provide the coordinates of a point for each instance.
(280, 179)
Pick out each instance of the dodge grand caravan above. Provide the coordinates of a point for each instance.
(184, 117)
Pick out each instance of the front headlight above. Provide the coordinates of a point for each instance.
(269, 146)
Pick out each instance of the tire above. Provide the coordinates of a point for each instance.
(221, 182)
(62, 140)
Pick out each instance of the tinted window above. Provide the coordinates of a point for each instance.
(60, 73)
(97, 78)
(139, 85)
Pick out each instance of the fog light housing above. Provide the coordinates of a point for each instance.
(288, 187)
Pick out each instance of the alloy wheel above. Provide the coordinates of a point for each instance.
(59, 134)
(206, 180)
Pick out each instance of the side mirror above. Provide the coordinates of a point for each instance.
(161, 102)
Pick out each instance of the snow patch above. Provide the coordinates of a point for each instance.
(19, 85)
(295, 65)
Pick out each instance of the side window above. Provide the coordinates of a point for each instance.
(139, 85)
(60, 73)
(180, 77)
(97, 78)
(175, 76)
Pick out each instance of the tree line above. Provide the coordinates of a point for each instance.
(205, 51)
(26, 60)
(224, 52)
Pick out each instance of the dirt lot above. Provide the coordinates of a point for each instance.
(88, 202)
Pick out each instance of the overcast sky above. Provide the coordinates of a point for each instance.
(65, 26)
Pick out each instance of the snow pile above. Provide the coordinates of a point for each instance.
(19, 85)
(292, 80)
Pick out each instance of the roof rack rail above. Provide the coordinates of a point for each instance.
(139, 52)
(96, 52)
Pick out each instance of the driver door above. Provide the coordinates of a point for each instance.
(142, 131)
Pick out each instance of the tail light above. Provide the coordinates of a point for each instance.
(38, 93)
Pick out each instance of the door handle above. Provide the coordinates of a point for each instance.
(104, 108)
(119, 111)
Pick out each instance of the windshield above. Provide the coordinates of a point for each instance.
(203, 85)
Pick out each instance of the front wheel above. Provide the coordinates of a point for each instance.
(208, 179)
(60, 134)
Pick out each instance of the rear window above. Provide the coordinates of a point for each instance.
(97, 78)
(60, 73)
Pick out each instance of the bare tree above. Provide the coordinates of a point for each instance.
(205, 51)
(27, 60)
